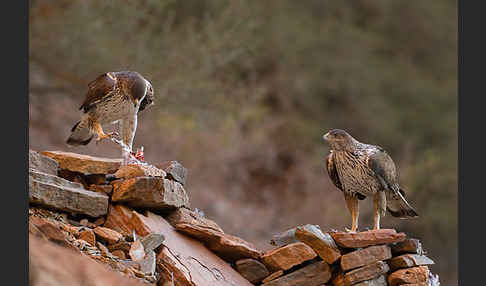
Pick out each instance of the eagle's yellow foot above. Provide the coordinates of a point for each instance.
(350, 230)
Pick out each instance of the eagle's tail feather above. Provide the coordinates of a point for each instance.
(398, 206)
(80, 135)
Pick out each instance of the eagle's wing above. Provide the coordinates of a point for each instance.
(97, 89)
(385, 171)
(384, 168)
(331, 170)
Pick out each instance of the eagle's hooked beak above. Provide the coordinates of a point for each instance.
(136, 102)
(326, 137)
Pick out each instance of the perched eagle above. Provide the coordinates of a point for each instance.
(112, 97)
(360, 170)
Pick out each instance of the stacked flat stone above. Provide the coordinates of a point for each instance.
(373, 258)
(137, 219)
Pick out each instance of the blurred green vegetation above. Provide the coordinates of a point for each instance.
(245, 90)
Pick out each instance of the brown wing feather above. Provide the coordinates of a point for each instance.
(97, 89)
(384, 168)
(331, 170)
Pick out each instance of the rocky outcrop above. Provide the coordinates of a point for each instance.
(136, 219)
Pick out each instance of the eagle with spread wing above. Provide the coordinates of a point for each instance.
(112, 97)
(360, 170)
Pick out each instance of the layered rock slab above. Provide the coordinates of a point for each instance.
(119, 219)
(187, 217)
(409, 245)
(409, 260)
(414, 275)
(228, 247)
(108, 235)
(322, 243)
(84, 163)
(314, 274)
(137, 170)
(174, 171)
(232, 248)
(42, 163)
(365, 256)
(60, 194)
(287, 256)
(150, 193)
(364, 273)
(367, 238)
(253, 270)
(187, 259)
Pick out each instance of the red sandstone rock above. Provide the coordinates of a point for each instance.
(232, 248)
(367, 238)
(84, 163)
(108, 235)
(119, 253)
(186, 259)
(253, 270)
(53, 265)
(122, 245)
(409, 260)
(413, 275)
(119, 219)
(313, 274)
(365, 256)
(136, 170)
(364, 273)
(286, 257)
(150, 193)
(226, 246)
(200, 232)
(321, 243)
(189, 217)
(88, 236)
(50, 231)
(410, 245)
(273, 276)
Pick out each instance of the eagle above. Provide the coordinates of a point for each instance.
(112, 97)
(360, 170)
